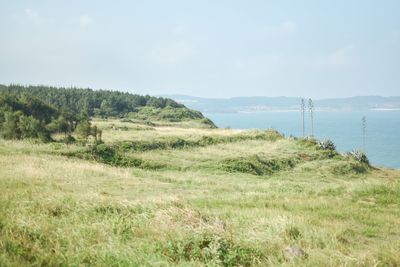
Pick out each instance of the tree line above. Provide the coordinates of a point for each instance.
(90, 102)
(40, 111)
(25, 116)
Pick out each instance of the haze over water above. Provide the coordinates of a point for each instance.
(344, 128)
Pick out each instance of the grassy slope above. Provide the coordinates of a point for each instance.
(56, 210)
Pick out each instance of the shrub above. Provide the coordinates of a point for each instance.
(211, 249)
(348, 167)
(104, 153)
(243, 165)
(114, 156)
(33, 128)
(257, 165)
(326, 144)
(69, 139)
(208, 122)
(83, 129)
(16, 125)
(360, 156)
(293, 232)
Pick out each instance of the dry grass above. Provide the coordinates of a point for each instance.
(117, 131)
(64, 211)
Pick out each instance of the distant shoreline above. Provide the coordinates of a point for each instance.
(298, 110)
(385, 109)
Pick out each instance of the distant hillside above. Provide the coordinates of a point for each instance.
(259, 103)
(38, 112)
(105, 103)
(101, 102)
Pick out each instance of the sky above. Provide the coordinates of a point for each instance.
(207, 48)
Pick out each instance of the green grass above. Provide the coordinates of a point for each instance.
(236, 200)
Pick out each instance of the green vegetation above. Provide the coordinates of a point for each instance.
(37, 112)
(159, 193)
(258, 165)
(26, 117)
(170, 114)
(327, 144)
(359, 156)
(127, 180)
(77, 104)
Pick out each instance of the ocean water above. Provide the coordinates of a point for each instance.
(344, 128)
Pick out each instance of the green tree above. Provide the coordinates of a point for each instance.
(83, 129)
(30, 127)
(9, 128)
(60, 125)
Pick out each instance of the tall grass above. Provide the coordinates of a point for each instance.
(199, 208)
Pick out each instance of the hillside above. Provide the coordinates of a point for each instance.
(163, 195)
(75, 104)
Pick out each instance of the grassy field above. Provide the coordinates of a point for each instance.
(175, 195)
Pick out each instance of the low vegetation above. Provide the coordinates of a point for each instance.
(258, 164)
(37, 112)
(141, 181)
(163, 194)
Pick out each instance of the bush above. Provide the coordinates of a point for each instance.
(32, 128)
(257, 165)
(111, 156)
(211, 249)
(69, 139)
(60, 125)
(16, 125)
(326, 144)
(359, 156)
(83, 129)
(114, 156)
(348, 167)
(208, 122)
(243, 165)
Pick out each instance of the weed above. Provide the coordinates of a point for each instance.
(293, 232)
(209, 248)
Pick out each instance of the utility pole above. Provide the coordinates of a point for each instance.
(303, 110)
(364, 130)
(311, 110)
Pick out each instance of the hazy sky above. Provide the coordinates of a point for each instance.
(209, 48)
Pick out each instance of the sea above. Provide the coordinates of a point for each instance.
(344, 128)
